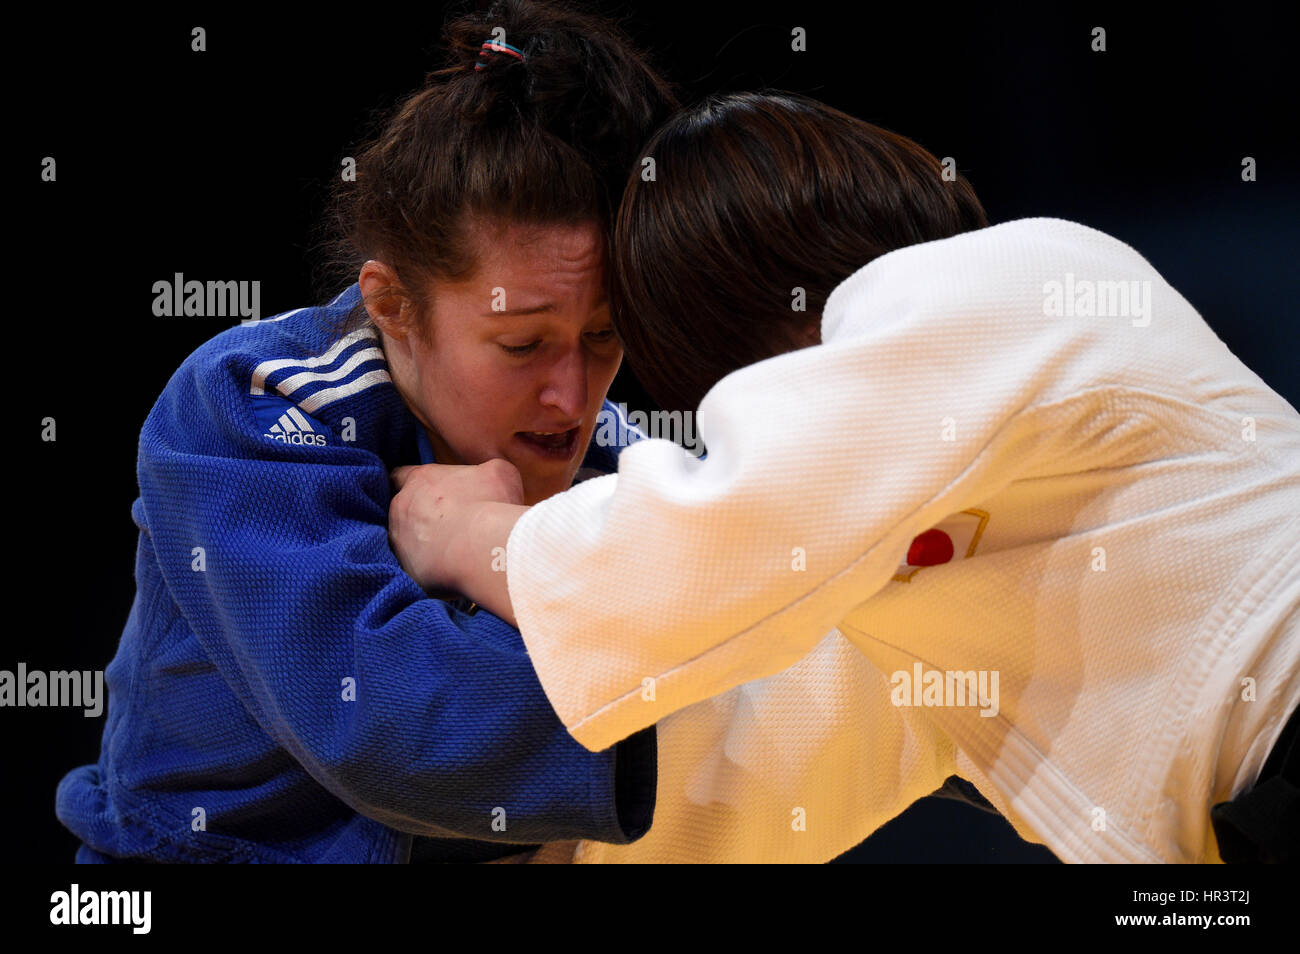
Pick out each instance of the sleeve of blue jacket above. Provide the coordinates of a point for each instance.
(411, 712)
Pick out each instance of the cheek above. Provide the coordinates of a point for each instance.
(600, 376)
(498, 400)
(449, 381)
(461, 394)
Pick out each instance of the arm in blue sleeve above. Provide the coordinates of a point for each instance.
(426, 719)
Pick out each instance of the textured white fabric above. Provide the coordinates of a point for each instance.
(795, 768)
(1127, 498)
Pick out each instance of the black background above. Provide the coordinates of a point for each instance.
(214, 164)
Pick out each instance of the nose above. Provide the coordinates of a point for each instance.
(565, 386)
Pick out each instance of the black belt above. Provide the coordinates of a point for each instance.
(1262, 824)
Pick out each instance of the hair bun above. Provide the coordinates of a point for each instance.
(506, 23)
(561, 52)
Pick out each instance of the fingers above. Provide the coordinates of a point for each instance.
(403, 475)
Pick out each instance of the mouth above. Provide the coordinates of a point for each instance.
(550, 445)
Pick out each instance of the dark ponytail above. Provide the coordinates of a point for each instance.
(547, 139)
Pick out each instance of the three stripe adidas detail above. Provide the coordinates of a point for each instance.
(293, 427)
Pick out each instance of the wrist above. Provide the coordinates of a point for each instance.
(481, 564)
(463, 553)
(483, 526)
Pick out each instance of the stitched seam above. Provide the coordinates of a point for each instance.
(1044, 761)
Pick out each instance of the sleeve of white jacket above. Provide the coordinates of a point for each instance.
(939, 381)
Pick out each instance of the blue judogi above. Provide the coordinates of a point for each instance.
(283, 691)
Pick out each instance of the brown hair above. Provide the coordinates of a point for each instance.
(543, 140)
(755, 195)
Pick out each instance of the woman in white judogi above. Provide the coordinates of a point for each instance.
(1018, 466)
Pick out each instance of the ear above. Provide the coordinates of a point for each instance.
(812, 332)
(385, 299)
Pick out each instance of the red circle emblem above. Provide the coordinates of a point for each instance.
(930, 549)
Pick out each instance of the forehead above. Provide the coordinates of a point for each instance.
(545, 259)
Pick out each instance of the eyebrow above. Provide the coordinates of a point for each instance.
(513, 312)
(534, 310)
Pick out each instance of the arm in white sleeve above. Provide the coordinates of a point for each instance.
(940, 380)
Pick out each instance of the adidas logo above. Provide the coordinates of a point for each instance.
(293, 428)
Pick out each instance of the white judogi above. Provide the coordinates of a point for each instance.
(1121, 496)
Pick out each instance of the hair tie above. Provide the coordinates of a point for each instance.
(492, 46)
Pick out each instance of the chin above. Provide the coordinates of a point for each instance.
(537, 489)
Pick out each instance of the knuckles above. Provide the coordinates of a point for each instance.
(507, 482)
